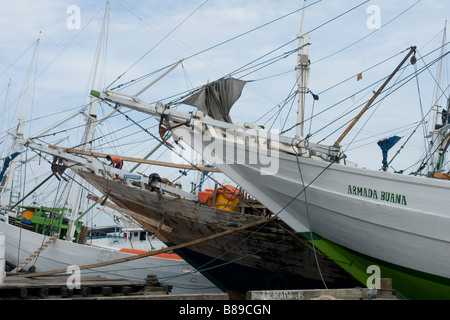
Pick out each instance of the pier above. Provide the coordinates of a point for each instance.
(57, 287)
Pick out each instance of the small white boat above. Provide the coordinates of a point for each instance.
(169, 269)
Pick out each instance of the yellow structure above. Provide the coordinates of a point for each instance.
(28, 214)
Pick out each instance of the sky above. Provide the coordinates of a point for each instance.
(215, 38)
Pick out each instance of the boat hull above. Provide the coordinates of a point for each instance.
(396, 220)
(407, 283)
(21, 243)
(237, 279)
(264, 253)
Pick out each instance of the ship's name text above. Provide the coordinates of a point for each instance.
(378, 195)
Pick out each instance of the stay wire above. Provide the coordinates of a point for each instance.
(291, 41)
(247, 32)
(341, 101)
(231, 39)
(309, 220)
(349, 78)
(310, 31)
(304, 188)
(292, 94)
(375, 108)
(276, 214)
(252, 30)
(14, 62)
(376, 137)
(400, 84)
(342, 49)
(422, 113)
(159, 42)
(359, 40)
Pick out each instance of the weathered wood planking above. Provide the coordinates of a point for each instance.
(190, 220)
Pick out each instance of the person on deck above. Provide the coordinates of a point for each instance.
(153, 177)
(115, 161)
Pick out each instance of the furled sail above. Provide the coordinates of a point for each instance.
(385, 145)
(6, 163)
(217, 98)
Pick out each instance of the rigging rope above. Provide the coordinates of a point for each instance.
(250, 31)
(375, 108)
(263, 225)
(341, 101)
(352, 44)
(247, 32)
(275, 215)
(209, 176)
(400, 84)
(309, 219)
(172, 31)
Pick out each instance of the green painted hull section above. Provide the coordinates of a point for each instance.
(406, 283)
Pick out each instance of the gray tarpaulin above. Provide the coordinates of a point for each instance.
(217, 98)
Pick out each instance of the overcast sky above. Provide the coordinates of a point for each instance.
(144, 36)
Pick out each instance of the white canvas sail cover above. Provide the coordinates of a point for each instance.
(217, 98)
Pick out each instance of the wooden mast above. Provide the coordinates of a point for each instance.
(87, 140)
(302, 74)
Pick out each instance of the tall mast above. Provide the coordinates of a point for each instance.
(302, 74)
(29, 75)
(5, 105)
(18, 135)
(436, 134)
(86, 143)
(93, 106)
(16, 147)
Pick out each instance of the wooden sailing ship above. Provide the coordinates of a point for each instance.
(44, 238)
(268, 255)
(361, 218)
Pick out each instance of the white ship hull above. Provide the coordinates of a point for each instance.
(21, 243)
(397, 222)
(395, 219)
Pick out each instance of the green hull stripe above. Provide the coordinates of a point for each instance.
(407, 283)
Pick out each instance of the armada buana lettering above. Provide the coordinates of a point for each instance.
(378, 195)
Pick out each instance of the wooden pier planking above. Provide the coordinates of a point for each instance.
(54, 287)
(57, 286)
